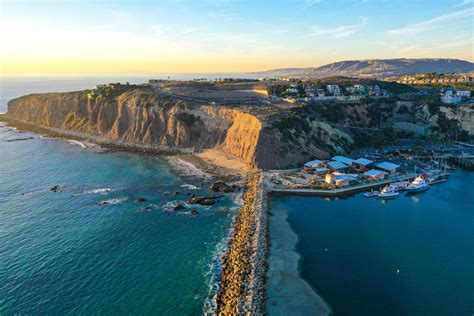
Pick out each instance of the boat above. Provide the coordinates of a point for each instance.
(388, 193)
(418, 185)
(371, 194)
(399, 186)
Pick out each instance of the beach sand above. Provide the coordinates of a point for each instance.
(288, 294)
(222, 159)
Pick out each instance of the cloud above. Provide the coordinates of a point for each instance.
(339, 31)
(433, 23)
(226, 15)
(463, 3)
(310, 3)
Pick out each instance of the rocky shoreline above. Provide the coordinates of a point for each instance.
(104, 142)
(242, 285)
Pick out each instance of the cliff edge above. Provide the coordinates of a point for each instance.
(260, 137)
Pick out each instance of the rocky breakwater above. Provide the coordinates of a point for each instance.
(242, 285)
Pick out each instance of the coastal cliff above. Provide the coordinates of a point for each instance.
(140, 115)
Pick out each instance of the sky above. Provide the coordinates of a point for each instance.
(225, 36)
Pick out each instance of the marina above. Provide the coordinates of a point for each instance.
(413, 244)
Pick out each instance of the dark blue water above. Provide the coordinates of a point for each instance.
(63, 252)
(351, 250)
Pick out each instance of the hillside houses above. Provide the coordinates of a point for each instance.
(432, 78)
(451, 96)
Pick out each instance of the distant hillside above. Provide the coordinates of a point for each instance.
(377, 68)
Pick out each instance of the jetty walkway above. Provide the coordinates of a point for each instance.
(340, 191)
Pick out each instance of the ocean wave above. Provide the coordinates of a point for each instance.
(148, 208)
(170, 206)
(189, 186)
(96, 191)
(215, 271)
(78, 143)
(113, 201)
(186, 168)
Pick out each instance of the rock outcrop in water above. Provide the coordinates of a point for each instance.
(140, 115)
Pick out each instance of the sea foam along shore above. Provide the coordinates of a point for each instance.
(242, 285)
(288, 293)
(105, 142)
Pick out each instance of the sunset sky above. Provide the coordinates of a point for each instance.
(183, 36)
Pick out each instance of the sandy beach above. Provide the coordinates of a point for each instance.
(287, 293)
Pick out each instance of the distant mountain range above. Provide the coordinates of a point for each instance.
(376, 68)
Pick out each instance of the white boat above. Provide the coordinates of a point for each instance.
(399, 186)
(418, 185)
(388, 193)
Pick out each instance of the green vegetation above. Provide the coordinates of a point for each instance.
(455, 85)
(69, 118)
(78, 123)
(450, 128)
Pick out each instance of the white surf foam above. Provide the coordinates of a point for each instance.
(187, 169)
(189, 186)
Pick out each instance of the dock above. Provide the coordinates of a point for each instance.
(341, 191)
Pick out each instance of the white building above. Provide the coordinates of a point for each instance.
(293, 90)
(334, 89)
(359, 88)
(463, 93)
(450, 98)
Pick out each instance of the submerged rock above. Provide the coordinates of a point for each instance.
(178, 207)
(220, 186)
(55, 188)
(204, 200)
(141, 200)
(194, 212)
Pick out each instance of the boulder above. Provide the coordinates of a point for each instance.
(141, 200)
(194, 212)
(203, 200)
(55, 188)
(178, 207)
(220, 186)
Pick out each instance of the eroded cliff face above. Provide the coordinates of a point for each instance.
(464, 115)
(146, 117)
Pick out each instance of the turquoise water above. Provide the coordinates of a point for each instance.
(63, 252)
(351, 250)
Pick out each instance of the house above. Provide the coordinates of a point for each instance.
(361, 164)
(463, 93)
(388, 167)
(373, 175)
(345, 160)
(341, 181)
(320, 93)
(322, 171)
(337, 179)
(450, 98)
(292, 90)
(338, 166)
(313, 164)
(374, 90)
(359, 88)
(334, 89)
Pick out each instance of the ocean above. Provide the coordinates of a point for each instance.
(410, 256)
(89, 247)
